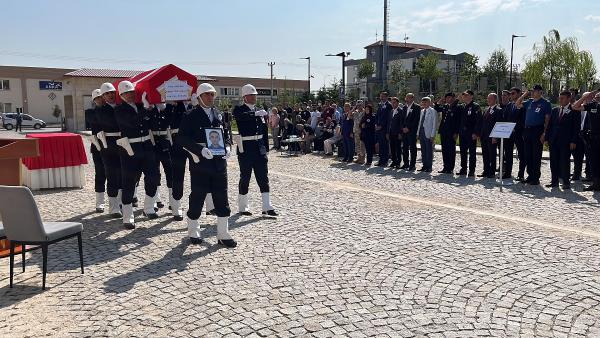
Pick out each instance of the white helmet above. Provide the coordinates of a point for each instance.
(249, 90)
(107, 87)
(125, 86)
(96, 93)
(205, 88)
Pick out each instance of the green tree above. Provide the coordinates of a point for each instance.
(497, 67)
(427, 69)
(399, 79)
(469, 72)
(586, 71)
(365, 69)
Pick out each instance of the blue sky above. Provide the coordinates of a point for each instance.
(238, 38)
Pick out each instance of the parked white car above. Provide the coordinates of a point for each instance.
(9, 121)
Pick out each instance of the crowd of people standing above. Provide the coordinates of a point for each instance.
(393, 126)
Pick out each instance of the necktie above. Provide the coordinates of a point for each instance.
(562, 110)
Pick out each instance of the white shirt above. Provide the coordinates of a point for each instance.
(409, 109)
(314, 118)
(208, 113)
(583, 115)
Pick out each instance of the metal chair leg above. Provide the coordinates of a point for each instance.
(80, 242)
(12, 261)
(23, 256)
(44, 264)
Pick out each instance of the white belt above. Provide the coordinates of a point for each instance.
(160, 132)
(174, 131)
(139, 139)
(252, 138)
(202, 144)
(115, 134)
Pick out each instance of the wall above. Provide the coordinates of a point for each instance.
(12, 96)
(40, 105)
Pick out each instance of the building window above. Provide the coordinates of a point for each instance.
(19, 110)
(374, 67)
(5, 107)
(4, 85)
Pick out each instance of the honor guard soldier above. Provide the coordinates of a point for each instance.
(137, 154)
(591, 134)
(469, 120)
(91, 124)
(108, 135)
(208, 168)
(252, 146)
(448, 130)
(179, 156)
(159, 123)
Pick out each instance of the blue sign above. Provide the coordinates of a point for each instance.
(50, 85)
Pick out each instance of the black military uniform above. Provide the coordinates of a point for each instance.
(159, 123)
(253, 132)
(449, 127)
(396, 136)
(207, 175)
(411, 115)
(489, 149)
(562, 130)
(469, 120)
(178, 155)
(591, 133)
(367, 134)
(134, 123)
(91, 124)
(110, 156)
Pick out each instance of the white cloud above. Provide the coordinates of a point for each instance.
(593, 18)
(597, 29)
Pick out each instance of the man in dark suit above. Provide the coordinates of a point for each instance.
(412, 113)
(382, 128)
(488, 145)
(448, 130)
(561, 134)
(396, 133)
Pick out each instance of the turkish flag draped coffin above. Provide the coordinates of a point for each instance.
(167, 83)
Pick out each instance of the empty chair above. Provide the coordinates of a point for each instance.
(23, 226)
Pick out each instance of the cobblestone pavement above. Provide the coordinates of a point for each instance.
(355, 253)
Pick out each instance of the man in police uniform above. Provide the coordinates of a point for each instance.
(252, 151)
(179, 156)
(488, 144)
(561, 134)
(137, 154)
(537, 116)
(448, 130)
(469, 121)
(159, 122)
(591, 132)
(108, 135)
(208, 171)
(91, 124)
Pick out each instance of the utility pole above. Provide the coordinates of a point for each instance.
(271, 64)
(343, 55)
(384, 64)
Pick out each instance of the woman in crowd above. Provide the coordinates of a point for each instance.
(367, 133)
(348, 133)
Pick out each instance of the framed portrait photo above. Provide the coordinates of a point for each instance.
(214, 141)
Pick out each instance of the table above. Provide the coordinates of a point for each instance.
(289, 142)
(60, 163)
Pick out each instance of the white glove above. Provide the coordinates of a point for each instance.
(194, 99)
(206, 153)
(145, 101)
(161, 106)
(261, 113)
(227, 154)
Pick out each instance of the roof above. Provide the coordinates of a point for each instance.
(115, 73)
(411, 46)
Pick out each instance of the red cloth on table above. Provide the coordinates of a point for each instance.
(57, 150)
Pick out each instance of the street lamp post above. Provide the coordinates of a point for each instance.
(512, 47)
(343, 55)
(309, 76)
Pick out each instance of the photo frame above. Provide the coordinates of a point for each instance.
(214, 141)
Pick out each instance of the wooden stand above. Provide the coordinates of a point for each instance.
(11, 153)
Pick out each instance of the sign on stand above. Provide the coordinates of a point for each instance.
(502, 130)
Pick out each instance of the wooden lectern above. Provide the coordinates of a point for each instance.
(11, 153)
